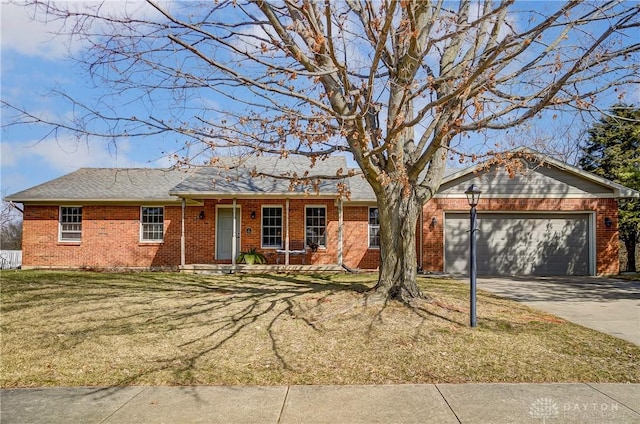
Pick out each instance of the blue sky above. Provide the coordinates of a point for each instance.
(32, 63)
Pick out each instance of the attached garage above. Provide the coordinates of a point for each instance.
(537, 216)
(543, 243)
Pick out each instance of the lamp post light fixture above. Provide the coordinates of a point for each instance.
(473, 197)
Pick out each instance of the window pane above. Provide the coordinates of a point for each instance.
(272, 227)
(374, 228)
(373, 216)
(71, 223)
(152, 223)
(315, 226)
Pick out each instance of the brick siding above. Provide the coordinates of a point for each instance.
(607, 258)
(111, 234)
(355, 236)
(110, 239)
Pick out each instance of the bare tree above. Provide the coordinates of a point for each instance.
(10, 227)
(397, 83)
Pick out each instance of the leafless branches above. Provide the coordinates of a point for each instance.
(392, 82)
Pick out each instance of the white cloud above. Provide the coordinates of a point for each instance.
(66, 155)
(30, 37)
(25, 164)
(29, 31)
(249, 40)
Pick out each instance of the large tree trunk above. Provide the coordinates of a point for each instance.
(398, 213)
(630, 245)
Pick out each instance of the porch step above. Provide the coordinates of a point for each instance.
(257, 269)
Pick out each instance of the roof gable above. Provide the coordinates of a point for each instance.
(541, 176)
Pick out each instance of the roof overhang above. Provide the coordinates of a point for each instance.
(202, 195)
(72, 201)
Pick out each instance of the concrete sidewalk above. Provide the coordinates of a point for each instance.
(423, 403)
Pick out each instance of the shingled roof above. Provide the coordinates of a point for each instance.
(237, 176)
(230, 177)
(105, 184)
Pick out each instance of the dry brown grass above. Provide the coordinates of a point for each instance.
(631, 276)
(82, 328)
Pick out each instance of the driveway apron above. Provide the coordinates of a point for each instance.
(608, 305)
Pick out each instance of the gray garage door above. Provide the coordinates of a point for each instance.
(520, 244)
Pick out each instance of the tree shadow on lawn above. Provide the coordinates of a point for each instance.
(197, 315)
(88, 329)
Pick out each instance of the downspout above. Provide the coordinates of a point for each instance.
(340, 222)
(421, 240)
(234, 236)
(286, 235)
(182, 236)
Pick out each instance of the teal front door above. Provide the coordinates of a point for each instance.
(224, 234)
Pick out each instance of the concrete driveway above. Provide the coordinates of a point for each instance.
(608, 305)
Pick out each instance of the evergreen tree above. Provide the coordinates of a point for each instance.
(613, 151)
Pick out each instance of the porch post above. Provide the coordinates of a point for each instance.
(286, 235)
(234, 236)
(340, 221)
(182, 239)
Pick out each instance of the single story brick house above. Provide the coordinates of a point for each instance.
(552, 219)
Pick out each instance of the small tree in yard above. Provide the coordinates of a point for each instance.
(396, 83)
(612, 150)
(10, 228)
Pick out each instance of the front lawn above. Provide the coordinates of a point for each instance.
(85, 328)
(631, 276)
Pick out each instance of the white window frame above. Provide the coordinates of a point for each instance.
(372, 226)
(324, 235)
(262, 227)
(60, 226)
(142, 224)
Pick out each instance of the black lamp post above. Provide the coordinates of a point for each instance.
(473, 197)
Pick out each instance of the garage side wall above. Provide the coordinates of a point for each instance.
(606, 238)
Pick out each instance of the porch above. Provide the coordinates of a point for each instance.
(258, 269)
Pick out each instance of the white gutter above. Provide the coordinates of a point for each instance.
(98, 201)
(250, 195)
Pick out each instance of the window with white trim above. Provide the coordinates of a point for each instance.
(374, 228)
(315, 226)
(70, 223)
(272, 226)
(151, 223)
